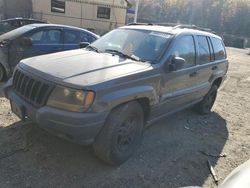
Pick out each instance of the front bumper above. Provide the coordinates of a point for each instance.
(81, 128)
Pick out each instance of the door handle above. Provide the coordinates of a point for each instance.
(193, 74)
(214, 67)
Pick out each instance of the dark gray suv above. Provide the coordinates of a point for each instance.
(105, 94)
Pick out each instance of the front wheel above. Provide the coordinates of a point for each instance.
(205, 106)
(121, 134)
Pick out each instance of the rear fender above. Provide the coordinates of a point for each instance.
(215, 76)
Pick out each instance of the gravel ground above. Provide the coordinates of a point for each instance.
(173, 153)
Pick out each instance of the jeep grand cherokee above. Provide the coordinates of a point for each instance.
(105, 94)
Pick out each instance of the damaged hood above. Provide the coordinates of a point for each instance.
(81, 67)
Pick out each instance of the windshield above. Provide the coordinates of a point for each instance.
(141, 44)
(16, 33)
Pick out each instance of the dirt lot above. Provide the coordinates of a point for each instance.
(172, 153)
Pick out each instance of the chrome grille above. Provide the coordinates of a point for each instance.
(32, 90)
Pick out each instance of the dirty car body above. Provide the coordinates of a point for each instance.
(76, 94)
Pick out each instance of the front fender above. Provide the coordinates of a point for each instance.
(113, 99)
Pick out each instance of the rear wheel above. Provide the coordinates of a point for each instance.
(205, 106)
(121, 134)
(2, 73)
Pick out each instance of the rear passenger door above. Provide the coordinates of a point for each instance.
(211, 54)
(204, 59)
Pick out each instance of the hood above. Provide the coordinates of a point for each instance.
(81, 67)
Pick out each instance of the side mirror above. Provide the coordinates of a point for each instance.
(84, 44)
(176, 63)
(26, 42)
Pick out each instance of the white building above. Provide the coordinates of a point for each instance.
(99, 16)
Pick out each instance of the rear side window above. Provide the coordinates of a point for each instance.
(91, 39)
(85, 37)
(185, 48)
(204, 52)
(219, 49)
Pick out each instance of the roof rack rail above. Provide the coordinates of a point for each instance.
(183, 26)
(166, 24)
(133, 23)
(176, 26)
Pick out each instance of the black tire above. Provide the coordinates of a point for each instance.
(205, 106)
(121, 134)
(2, 73)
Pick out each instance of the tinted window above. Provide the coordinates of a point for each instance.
(52, 36)
(211, 49)
(204, 52)
(85, 37)
(71, 37)
(185, 48)
(91, 39)
(219, 50)
(37, 36)
(14, 23)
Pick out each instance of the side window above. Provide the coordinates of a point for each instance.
(211, 49)
(219, 49)
(204, 52)
(185, 48)
(14, 23)
(52, 36)
(91, 39)
(71, 37)
(36, 37)
(84, 37)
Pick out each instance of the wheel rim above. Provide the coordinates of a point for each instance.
(210, 101)
(126, 134)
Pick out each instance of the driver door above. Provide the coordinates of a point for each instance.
(177, 86)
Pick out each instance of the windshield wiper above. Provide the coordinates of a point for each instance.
(133, 57)
(92, 48)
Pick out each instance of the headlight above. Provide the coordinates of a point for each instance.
(71, 99)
